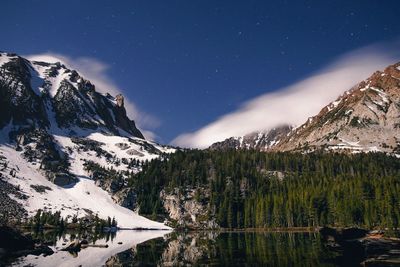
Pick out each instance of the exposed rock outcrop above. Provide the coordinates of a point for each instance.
(122, 119)
(61, 179)
(122, 195)
(126, 197)
(189, 208)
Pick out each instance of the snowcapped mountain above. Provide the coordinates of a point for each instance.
(365, 118)
(50, 94)
(53, 123)
(263, 140)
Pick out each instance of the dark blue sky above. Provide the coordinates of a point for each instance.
(189, 62)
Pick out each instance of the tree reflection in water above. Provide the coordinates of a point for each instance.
(229, 249)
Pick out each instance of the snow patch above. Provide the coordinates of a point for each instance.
(355, 147)
(348, 112)
(336, 103)
(382, 94)
(5, 59)
(37, 82)
(365, 88)
(43, 72)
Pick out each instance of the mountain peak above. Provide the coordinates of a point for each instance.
(35, 91)
(364, 118)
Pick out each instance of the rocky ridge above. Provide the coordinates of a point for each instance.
(365, 118)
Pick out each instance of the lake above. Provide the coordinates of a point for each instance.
(163, 248)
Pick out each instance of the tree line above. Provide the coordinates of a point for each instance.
(253, 189)
(48, 220)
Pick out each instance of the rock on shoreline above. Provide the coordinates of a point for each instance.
(356, 245)
(13, 244)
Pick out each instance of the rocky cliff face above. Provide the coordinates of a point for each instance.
(120, 193)
(189, 208)
(365, 118)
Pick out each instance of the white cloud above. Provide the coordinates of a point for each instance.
(295, 103)
(96, 72)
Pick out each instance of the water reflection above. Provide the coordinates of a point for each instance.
(163, 248)
(90, 256)
(231, 249)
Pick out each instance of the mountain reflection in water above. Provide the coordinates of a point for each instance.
(164, 248)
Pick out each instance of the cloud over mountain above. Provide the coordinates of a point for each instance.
(295, 103)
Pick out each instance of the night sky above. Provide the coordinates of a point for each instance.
(189, 62)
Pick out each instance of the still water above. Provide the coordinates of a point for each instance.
(161, 248)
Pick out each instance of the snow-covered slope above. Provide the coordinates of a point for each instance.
(52, 123)
(70, 200)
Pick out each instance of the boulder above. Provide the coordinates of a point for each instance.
(343, 234)
(63, 179)
(358, 245)
(73, 246)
